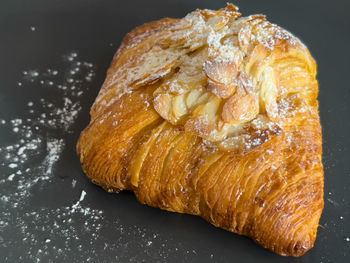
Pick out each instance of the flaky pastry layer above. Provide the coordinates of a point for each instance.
(214, 115)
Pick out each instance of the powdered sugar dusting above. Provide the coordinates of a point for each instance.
(29, 158)
(209, 81)
(37, 230)
(54, 148)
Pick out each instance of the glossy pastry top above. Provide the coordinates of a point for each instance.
(231, 80)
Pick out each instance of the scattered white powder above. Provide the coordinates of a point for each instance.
(74, 183)
(11, 176)
(54, 148)
(149, 243)
(77, 204)
(55, 232)
(333, 202)
(30, 75)
(13, 165)
(28, 162)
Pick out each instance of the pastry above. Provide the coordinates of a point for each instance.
(214, 115)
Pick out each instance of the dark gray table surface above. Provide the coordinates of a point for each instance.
(53, 59)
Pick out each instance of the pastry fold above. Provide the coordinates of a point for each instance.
(214, 115)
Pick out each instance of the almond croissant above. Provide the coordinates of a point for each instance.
(214, 115)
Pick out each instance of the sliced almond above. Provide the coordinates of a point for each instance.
(222, 76)
(221, 71)
(218, 22)
(240, 108)
(193, 97)
(229, 11)
(162, 104)
(179, 107)
(244, 82)
(220, 90)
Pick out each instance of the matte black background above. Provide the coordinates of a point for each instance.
(88, 26)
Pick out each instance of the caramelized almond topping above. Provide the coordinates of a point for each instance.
(221, 77)
(240, 108)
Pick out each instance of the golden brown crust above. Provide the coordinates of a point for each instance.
(226, 130)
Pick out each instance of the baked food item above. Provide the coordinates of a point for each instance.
(214, 115)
